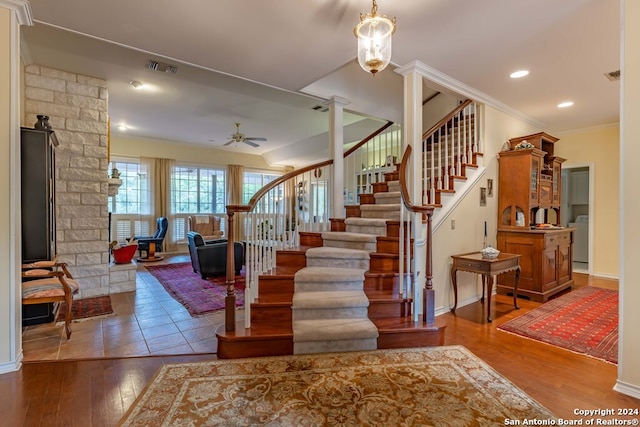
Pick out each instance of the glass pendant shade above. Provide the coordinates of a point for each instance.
(374, 41)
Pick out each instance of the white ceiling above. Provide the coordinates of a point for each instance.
(252, 61)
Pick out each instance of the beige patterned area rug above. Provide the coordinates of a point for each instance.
(439, 386)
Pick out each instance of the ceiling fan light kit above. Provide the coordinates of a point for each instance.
(374, 33)
(240, 137)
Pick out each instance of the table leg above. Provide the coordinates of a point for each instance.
(515, 289)
(489, 289)
(151, 253)
(455, 289)
(484, 280)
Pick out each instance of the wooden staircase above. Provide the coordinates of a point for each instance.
(271, 330)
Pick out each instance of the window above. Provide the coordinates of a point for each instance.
(254, 181)
(133, 195)
(197, 190)
(131, 208)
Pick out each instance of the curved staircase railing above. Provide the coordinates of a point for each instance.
(426, 212)
(297, 201)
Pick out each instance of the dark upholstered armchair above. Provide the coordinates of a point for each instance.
(210, 258)
(157, 238)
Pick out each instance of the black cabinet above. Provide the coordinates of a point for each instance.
(38, 192)
(38, 210)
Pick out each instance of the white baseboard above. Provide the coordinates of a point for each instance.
(606, 276)
(11, 366)
(628, 389)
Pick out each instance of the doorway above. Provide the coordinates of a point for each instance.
(577, 212)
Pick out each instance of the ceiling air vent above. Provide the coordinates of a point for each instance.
(320, 108)
(161, 66)
(614, 76)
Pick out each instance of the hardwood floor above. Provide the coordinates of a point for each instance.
(98, 392)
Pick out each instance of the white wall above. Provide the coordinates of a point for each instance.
(123, 145)
(469, 216)
(628, 369)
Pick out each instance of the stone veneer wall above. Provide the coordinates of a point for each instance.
(77, 107)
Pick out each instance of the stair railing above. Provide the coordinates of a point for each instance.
(448, 146)
(426, 212)
(367, 161)
(297, 201)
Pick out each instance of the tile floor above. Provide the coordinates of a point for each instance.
(148, 321)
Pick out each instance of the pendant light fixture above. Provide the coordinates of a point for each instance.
(374, 40)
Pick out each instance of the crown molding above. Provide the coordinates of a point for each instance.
(21, 8)
(458, 87)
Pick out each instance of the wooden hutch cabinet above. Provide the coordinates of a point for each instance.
(529, 193)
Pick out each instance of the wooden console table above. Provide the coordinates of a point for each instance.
(474, 262)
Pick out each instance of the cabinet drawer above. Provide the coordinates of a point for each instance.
(552, 240)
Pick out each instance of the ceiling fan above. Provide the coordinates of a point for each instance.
(239, 137)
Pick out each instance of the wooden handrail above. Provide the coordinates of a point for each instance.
(367, 139)
(445, 119)
(428, 300)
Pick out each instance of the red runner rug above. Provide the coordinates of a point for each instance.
(198, 296)
(584, 321)
(86, 308)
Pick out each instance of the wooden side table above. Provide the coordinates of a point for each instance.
(475, 263)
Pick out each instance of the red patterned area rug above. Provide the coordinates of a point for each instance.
(87, 308)
(584, 321)
(198, 296)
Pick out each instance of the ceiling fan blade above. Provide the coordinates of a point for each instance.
(253, 144)
(230, 142)
(252, 138)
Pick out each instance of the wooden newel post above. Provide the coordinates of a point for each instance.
(230, 298)
(429, 298)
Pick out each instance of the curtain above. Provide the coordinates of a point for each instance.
(160, 172)
(235, 178)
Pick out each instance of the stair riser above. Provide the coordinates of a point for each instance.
(313, 347)
(337, 224)
(366, 246)
(393, 229)
(351, 212)
(310, 238)
(275, 346)
(328, 287)
(293, 260)
(392, 247)
(260, 313)
(380, 187)
(367, 199)
(338, 262)
(329, 313)
(414, 338)
(378, 310)
(275, 286)
(389, 283)
(384, 264)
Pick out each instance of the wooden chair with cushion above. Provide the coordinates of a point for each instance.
(49, 281)
(208, 226)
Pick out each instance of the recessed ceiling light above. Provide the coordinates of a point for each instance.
(136, 84)
(518, 74)
(565, 104)
(122, 128)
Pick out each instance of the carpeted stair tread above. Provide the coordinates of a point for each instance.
(345, 235)
(333, 329)
(381, 207)
(324, 274)
(388, 197)
(366, 222)
(329, 299)
(341, 253)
